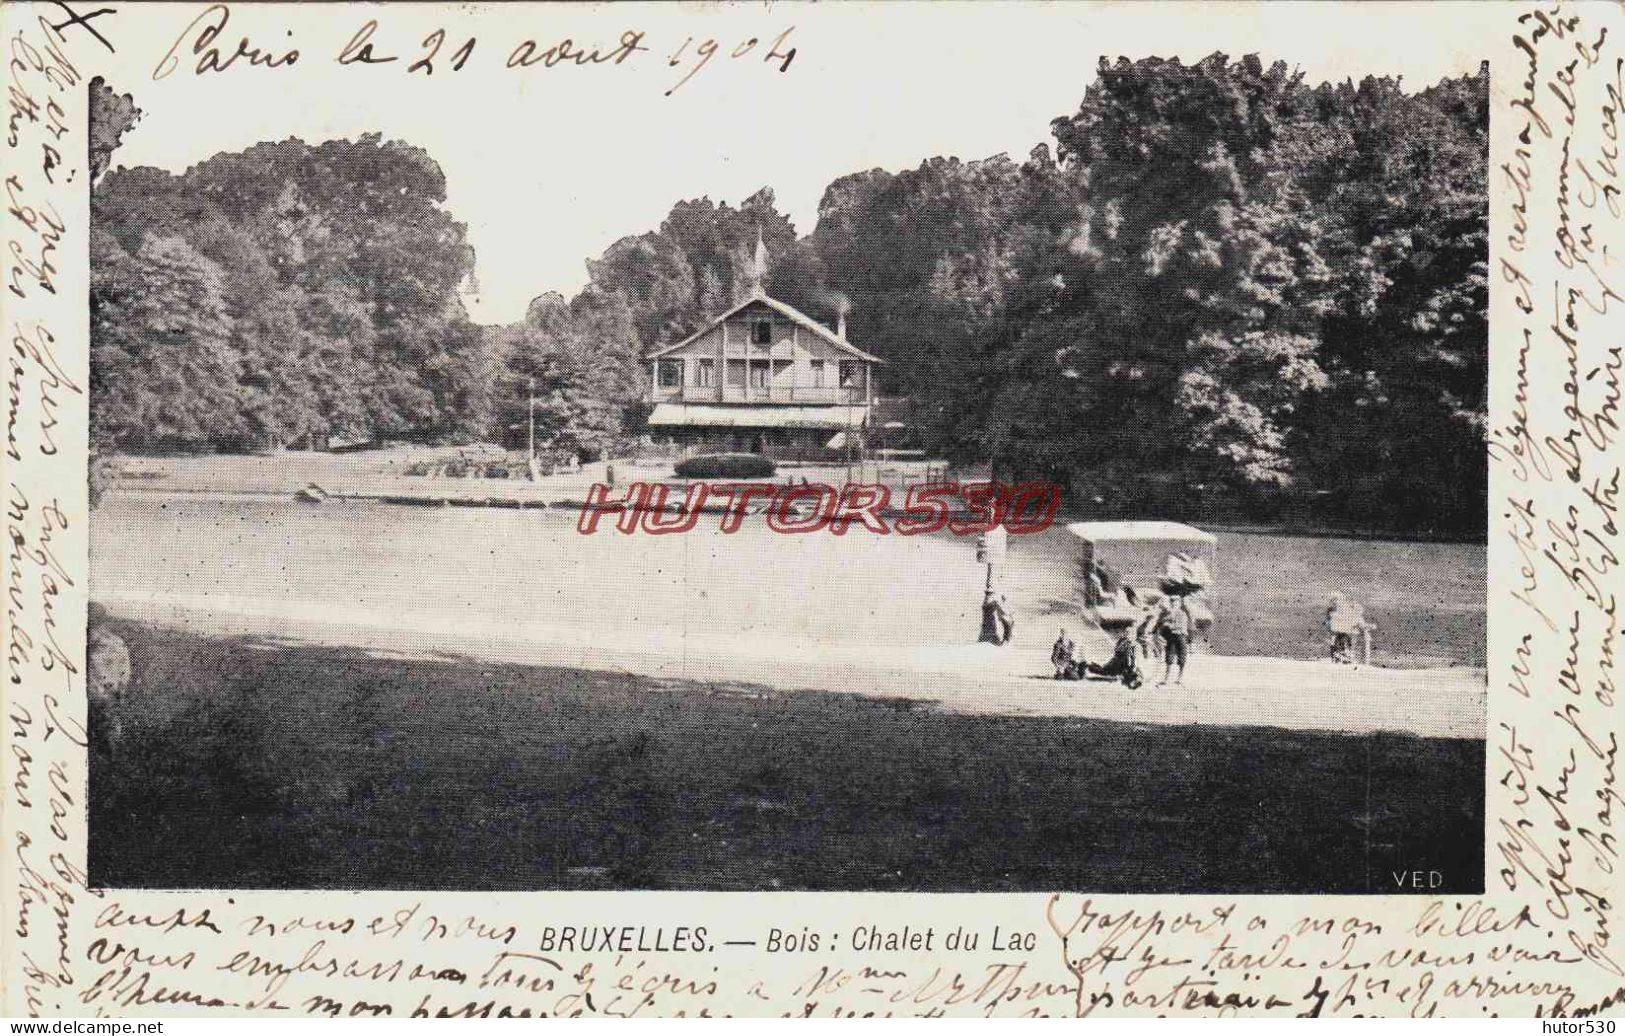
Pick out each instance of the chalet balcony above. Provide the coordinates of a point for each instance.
(802, 394)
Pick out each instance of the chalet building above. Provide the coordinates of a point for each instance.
(764, 378)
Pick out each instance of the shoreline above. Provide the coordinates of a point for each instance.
(378, 474)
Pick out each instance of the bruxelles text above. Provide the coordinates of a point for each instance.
(966, 509)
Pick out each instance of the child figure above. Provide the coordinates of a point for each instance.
(1345, 620)
(1176, 623)
(1060, 655)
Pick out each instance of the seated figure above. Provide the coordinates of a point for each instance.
(1061, 655)
(1123, 666)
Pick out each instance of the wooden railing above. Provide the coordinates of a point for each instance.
(808, 394)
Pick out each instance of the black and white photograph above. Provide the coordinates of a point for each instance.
(1064, 480)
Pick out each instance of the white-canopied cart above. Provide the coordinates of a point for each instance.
(1126, 565)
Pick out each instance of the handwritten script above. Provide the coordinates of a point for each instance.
(1555, 751)
(209, 44)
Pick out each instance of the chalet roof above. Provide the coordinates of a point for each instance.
(784, 309)
(705, 415)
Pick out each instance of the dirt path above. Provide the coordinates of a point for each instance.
(1014, 680)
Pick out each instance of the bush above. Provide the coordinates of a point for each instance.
(726, 465)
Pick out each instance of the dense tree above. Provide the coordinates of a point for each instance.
(163, 372)
(1399, 436)
(1265, 286)
(339, 271)
(652, 275)
(936, 262)
(1197, 262)
(886, 238)
(581, 359)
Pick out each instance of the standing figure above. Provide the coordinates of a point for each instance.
(1344, 620)
(1007, 620)
(992, 627)
(1145, 635)
(1176, 622)
(1108, 582)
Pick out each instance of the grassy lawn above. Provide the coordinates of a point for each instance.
(275, 766)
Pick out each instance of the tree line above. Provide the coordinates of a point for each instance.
(1215, 280)
(283, 296)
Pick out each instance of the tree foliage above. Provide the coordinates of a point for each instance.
(111, 115)
(163, 370)
(580, 361)
(1225, 279)
(331, 278)
(700, 262)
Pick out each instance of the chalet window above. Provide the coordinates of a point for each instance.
(705, 375)
(761, 332)
(736, 373)
(849, 374)
(671, 374)
(818, 373)
(758, 375)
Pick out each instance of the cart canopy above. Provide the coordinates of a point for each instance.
(1141, 532)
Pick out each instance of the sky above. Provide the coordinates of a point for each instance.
(549, 166)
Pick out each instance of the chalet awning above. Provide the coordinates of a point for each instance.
(701, 415)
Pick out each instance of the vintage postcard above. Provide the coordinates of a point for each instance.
(812, 509)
